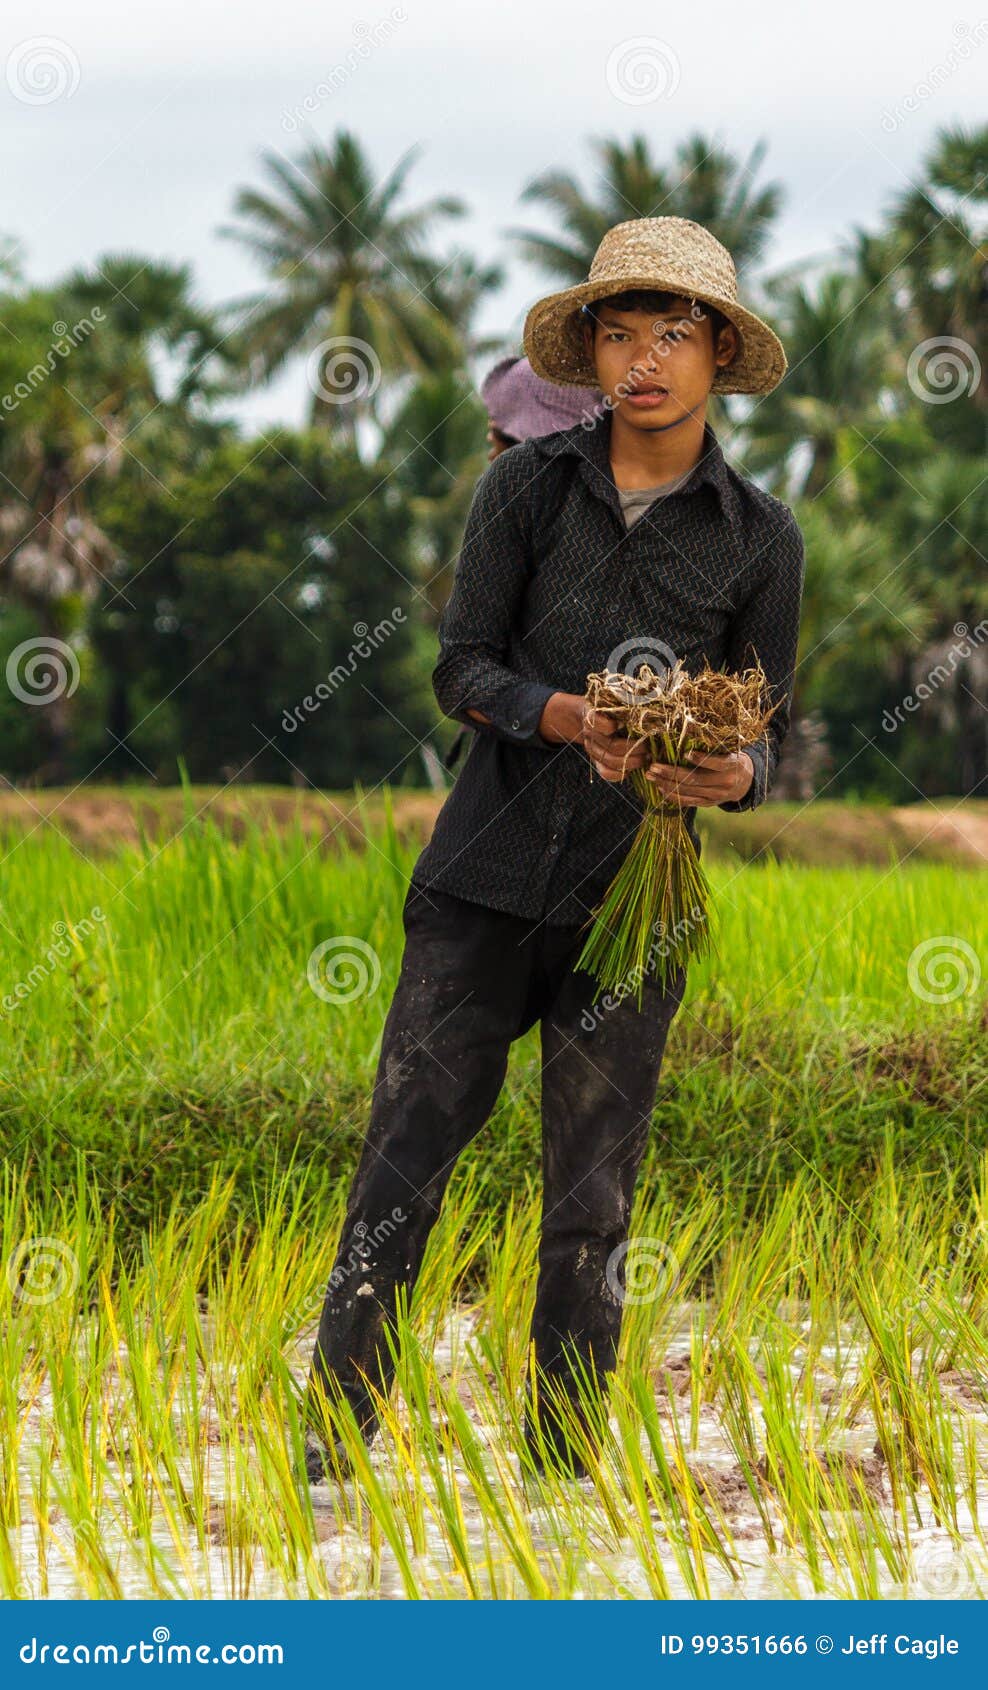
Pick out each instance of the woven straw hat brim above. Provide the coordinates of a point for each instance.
(553, 337)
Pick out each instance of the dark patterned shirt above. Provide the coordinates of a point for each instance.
(712, 571)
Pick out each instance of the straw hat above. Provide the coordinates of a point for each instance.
(668, 253)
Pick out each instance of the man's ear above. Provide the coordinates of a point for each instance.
(729, 339)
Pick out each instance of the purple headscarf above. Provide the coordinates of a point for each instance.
(522, 404)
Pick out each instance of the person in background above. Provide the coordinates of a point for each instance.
(523, 406)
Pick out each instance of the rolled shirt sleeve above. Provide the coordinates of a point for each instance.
(476, 624)
(767, 628)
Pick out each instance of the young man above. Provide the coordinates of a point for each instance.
(658, 545)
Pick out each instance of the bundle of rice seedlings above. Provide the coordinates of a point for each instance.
(660, 888)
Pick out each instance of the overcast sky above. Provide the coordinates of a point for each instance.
(130, 128)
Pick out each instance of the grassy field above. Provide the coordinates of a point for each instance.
(801, 1402)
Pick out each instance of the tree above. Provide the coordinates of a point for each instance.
(438, 447)
(82, 398)
(352, 283)
(838, 345)
(277, 629)
(54, 553)
(937, 240)
(705, 182)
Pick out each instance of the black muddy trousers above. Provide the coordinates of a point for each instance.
(472, 980)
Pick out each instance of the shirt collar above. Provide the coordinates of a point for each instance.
(592, 445)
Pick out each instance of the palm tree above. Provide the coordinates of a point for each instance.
(177, 360)
(92, 407)
(858, 608)
(938, 240)
(838, 343)
(944, 504)
(351, 281)
(705, 182)
(52, 553)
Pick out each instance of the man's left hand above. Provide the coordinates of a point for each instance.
(704, 779)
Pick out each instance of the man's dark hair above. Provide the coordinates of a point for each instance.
(659, 302)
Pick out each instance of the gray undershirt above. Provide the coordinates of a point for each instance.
(635, 502)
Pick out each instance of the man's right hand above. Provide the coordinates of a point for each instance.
(570, 716)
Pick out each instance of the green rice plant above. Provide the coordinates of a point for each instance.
(164, 1399)
(181, 1112)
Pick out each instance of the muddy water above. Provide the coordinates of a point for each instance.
(341, 1561)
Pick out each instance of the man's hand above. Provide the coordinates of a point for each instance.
(570, 716)
(709, 780)
(612, 754)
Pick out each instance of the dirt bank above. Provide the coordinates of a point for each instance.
(102, 818)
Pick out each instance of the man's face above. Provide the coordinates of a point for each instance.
(637, 353)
